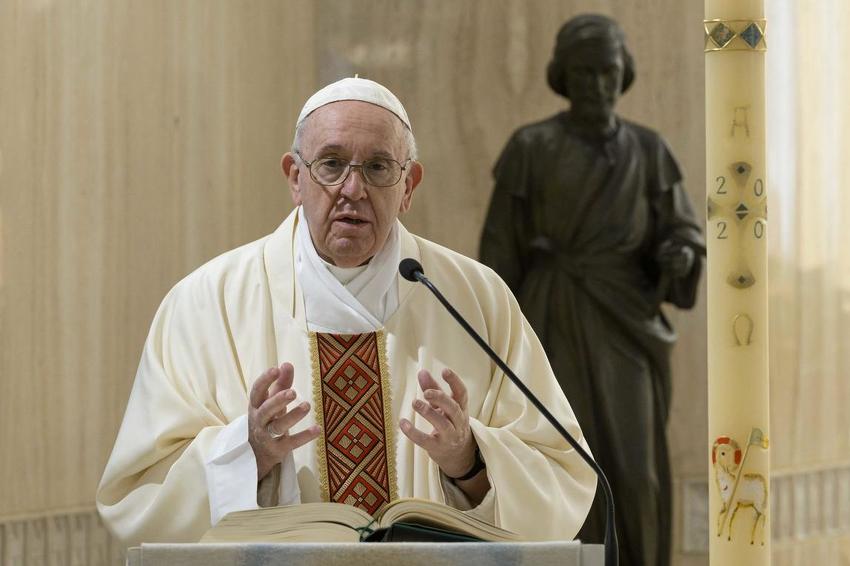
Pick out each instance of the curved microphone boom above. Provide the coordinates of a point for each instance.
(412, 270)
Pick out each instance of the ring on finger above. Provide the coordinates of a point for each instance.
(273, 433)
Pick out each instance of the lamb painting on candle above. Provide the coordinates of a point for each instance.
(734, 486)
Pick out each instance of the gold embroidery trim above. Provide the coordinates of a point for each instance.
(389, 424)
(321, 454)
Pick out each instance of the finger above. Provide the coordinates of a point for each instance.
(439, 420)
(458, 388)
(301, 438)
(441, 402)
(416, 436)
(426, 381)
(286, 421)
(260, 389)
(275, 406)
(284, 380)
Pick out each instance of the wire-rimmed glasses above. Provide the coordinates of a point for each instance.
(378, 171)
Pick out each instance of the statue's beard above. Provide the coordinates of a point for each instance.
(594, 112)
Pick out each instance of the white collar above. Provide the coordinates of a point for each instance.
(363, 302)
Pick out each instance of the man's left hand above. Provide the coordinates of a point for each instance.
(451, 444)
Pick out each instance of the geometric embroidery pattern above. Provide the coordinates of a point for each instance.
(356, 448)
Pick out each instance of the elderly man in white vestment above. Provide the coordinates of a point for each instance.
(302, 368)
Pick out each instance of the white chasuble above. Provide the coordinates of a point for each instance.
(230, 320)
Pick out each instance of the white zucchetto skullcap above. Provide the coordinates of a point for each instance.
(355, 88)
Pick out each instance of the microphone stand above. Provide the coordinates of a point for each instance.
(611, 546)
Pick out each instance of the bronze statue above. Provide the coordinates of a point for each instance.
(591, 227)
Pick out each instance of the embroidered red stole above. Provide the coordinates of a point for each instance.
(356, 449)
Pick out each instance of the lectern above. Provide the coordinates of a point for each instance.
(363, 554)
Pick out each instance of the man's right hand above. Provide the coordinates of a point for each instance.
(268, 417)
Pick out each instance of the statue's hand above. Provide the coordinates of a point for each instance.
(674, 259)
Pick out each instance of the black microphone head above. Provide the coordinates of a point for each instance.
(408, 268)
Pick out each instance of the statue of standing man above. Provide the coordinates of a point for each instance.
(590, 226)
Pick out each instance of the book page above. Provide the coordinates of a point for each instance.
(306, 522)
(422, 511)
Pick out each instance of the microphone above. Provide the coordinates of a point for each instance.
(412, 270)
(409, 268)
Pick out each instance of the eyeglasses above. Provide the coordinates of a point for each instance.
(332, 171)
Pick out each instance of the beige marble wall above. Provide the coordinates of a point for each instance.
(138, 139)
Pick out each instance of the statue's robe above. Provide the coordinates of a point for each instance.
(243, 312)
(573, 228)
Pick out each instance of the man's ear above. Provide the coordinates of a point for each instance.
(291, 172)
(411, 181)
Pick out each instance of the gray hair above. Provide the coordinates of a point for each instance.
(409, 140)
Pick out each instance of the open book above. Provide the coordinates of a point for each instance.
(335, 522)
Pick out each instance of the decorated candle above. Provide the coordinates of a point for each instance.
(736, 206)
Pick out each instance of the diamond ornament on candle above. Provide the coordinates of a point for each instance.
(735, 35)
(721, 35)
(741, 172)
(752, 35)
(741, 279)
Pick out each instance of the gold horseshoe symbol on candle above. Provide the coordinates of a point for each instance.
(743, 339)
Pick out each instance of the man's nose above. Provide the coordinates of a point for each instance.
(354, 187)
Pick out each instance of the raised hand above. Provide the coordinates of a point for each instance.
(451, 444)
(269, 419)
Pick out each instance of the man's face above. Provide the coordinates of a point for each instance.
(594, 74)
(349, 223)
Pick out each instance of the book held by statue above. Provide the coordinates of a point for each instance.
(403, 520)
